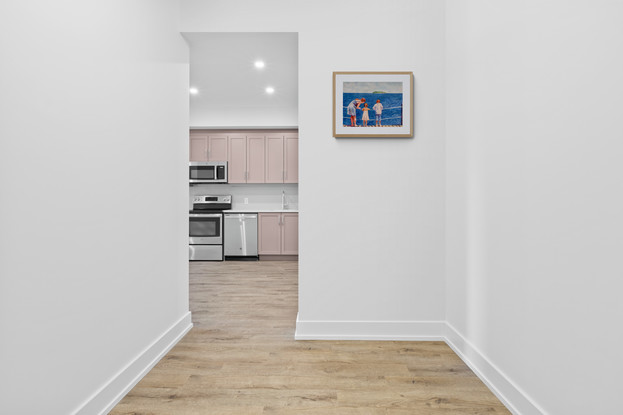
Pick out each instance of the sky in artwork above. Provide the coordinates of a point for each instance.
(369, 87)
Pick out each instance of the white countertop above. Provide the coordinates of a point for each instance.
(260, 210)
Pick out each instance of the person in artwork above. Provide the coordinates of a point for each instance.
(352, 108)
(365, 117)
(378, 109)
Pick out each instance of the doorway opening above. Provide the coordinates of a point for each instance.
(244, 115)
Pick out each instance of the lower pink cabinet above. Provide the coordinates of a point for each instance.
(278, 233)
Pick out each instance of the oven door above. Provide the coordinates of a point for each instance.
(206, 229)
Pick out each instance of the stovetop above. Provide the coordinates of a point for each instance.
(211, 203)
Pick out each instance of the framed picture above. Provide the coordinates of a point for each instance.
(372, 104)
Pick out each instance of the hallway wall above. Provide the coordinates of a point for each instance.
(93, 286)
(534, 178)
(372, 210)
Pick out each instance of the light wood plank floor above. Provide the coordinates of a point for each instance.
(241, 358)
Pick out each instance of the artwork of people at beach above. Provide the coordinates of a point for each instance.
(372, 104)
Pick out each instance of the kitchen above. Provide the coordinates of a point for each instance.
(243, 164)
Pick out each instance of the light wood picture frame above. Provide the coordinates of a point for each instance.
(373, 104)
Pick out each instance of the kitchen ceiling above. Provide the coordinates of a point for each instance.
(231, 87)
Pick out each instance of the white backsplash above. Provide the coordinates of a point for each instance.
(260, 196)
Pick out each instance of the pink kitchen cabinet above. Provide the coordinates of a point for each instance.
(198, 147)
(269, 233)
(246, 158)
(217, 147)
(278, 234)
(207, 147)
(289, 233)
(291, 158)
(274, 158)
(282, 152)
(237, 161)
(253, 157)
(256, 158)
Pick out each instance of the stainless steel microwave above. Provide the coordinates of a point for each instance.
(207, 172)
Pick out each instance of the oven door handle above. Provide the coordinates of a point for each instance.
(205, 215)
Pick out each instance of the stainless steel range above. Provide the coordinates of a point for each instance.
(205, 236)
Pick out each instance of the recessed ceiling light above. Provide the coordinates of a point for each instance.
(270, 90)
(193, 91)
(259, 64)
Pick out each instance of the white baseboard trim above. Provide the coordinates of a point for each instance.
(109, 395)
(370, 330)
(512, 396)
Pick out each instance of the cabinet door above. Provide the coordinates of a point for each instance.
(237, 166)
(291, 158)
(274, 158)
(198, 147)
(269, 230)
(256, 159)
(290, 233)
(217, 148)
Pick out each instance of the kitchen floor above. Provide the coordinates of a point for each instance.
(241, 358)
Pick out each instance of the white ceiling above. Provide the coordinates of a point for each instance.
(231, 88)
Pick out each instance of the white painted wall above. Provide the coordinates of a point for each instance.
(534, 226)
(369, 250)
(94, 100)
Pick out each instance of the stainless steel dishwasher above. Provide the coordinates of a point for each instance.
(241, 236)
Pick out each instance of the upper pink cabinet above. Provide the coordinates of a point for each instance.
(198, 146)
(256, 158)
(246, 158)
(291, 158)
(282, 158)
(207, 147)
(253, 156)
(274, 158)
(217, 147)
(237, 161)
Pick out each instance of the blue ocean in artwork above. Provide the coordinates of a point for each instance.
(392, 108)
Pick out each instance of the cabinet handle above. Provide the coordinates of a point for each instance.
(207, 153)
(283, 175)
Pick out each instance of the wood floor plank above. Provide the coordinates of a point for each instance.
(241, 358)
